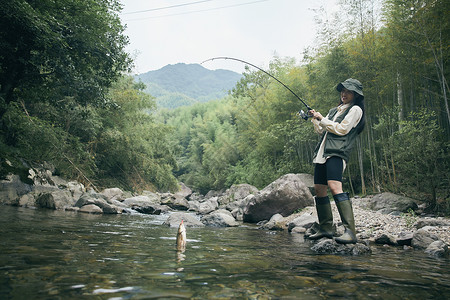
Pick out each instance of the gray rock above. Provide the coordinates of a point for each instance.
(113, 194)
(189, 220)
(422, 239)
(236, 193)
(305, 220)
(91, 209)
(99, 200)
(12, 188)
(437, 249)
(208, 206)
(184, 191)
(175, 202)
(431, 222)
(139, 201)
(389, 203)
(283, 196)
(274, 223)
(56, 199)
(385, 239)
(218, 219)
(154, 209)
(404, 239)
(329, 246)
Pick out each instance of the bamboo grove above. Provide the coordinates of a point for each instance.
(398, 50)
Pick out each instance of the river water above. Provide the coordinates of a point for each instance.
(47, 254)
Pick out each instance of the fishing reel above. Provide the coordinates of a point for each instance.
(304, 115)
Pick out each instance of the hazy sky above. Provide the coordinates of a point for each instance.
(166, 32)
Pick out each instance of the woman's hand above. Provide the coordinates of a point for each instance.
(315, 114)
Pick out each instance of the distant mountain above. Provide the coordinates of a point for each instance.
(185, 84)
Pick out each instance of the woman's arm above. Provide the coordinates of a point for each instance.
(351, 120)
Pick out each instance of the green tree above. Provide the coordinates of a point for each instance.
(53, 49)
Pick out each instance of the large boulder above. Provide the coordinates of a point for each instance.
(189, 220)
(12, 188)
(56, 199)
(236, 193)
(176, 202)
(388, 203)
(140, 201)
(284, 196)
(219, 219)
(422, 238)
(99, 200)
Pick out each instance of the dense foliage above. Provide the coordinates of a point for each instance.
(64, 100)
(254, 135)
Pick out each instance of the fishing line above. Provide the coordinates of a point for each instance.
(301, 112)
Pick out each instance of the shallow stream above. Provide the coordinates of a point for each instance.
(47, 254)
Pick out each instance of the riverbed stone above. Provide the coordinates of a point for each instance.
(389, 203)
(283, 196)
(404, 238)
(139, 201)
(56, 199)
(12, 188)
(99, 200)
(275, 223)
(219, 219)
(91, 209)
(437, 249)
(208, 206)
(329, 246)
(422, 238)
(235, 193)
(175, 202)
(113, 194)
(189, 220)
(305, 221)
(386, 239)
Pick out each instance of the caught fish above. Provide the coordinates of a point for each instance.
(181, 237)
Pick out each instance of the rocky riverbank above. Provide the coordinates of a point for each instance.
(286, 204)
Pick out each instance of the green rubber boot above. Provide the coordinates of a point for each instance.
(325, 216)
(345, 209)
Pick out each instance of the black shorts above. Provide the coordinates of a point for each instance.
(332, 169)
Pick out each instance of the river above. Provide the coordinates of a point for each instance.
(46, 254)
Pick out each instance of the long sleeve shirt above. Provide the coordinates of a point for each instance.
(350, 121)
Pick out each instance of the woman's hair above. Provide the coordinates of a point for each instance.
(359, 101)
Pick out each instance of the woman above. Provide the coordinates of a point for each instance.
(339, 130)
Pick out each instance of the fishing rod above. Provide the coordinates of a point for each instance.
(301, 113)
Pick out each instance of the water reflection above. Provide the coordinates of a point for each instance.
(48, 254)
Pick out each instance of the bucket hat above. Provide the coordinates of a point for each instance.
(351, 85)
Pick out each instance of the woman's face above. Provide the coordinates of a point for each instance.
(347, 96)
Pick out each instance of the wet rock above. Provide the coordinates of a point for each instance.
(404, 239)
(12, 188)
(56, 199)
(189, 220)
(422, 238)
(99, 200)
(219, 219)
(91, 209)
(154, 209)
(329, 246)
(305, 220)
(437, 249)
(275, 223)
(386, 239)
(139, 201)
(283, 196)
